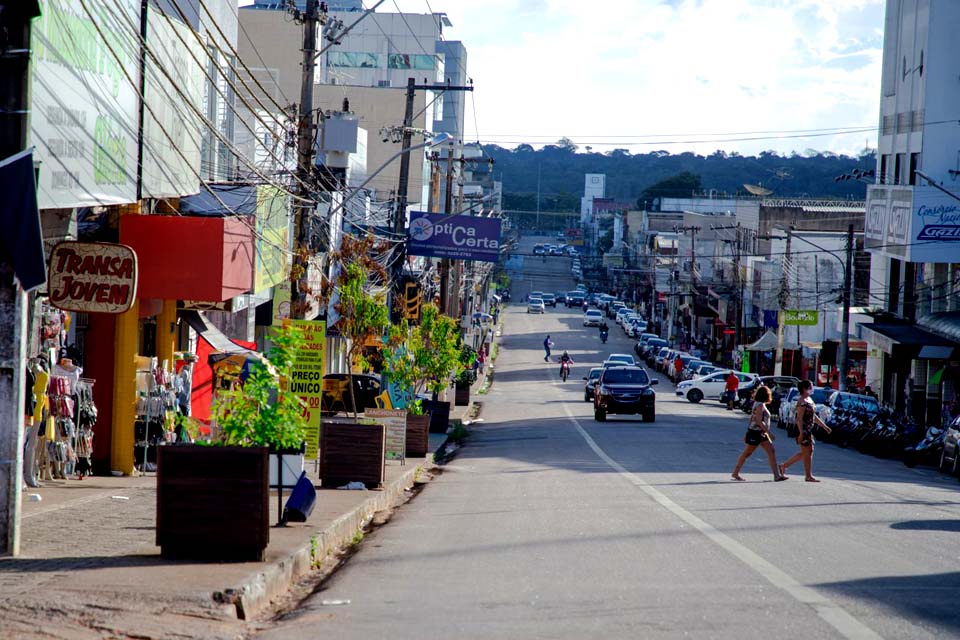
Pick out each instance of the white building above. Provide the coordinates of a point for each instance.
(913, 210)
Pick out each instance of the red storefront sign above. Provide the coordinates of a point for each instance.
(92, 277)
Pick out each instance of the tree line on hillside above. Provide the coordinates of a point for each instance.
(630, 177)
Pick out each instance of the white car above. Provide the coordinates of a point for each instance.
(624, 358)
(710, 386)
(592, 318)
(788, 405)
(536, 306)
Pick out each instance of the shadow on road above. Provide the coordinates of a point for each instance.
(930, 598)
(953, 526)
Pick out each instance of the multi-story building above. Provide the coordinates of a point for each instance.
(913, 211)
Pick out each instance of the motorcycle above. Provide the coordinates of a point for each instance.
(604, 334)
(564, 370)
(927, 451)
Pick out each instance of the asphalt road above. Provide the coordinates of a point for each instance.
(550, 525)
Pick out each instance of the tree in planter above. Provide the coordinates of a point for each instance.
(261, 411)
(363, 315)
(437, 349)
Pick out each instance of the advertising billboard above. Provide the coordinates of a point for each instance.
(438, 235)
(84, 120)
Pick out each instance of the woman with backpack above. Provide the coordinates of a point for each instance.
(758, 435)
(807, 420)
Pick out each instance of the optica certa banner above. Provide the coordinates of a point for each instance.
(439, 235)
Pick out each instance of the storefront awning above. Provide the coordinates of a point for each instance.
(935, 353)
(768, 342)
(906, 336)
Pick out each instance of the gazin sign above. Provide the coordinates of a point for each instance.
(92, 277)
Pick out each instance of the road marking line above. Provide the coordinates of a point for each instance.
(832, 613)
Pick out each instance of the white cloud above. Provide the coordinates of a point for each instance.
(602, 72)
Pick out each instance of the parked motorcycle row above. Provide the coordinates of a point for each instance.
(886, 435)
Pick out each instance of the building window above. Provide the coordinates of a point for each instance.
(884, 167)
(409, 61)
(914, 165)
(355, 60)
(898, 168)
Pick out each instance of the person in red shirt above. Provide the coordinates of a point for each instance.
(732, 384)
(677, 368)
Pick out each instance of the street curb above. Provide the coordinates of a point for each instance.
(255, 594)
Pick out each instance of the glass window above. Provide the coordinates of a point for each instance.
(410, 61)
(625, 376)
(354, 59)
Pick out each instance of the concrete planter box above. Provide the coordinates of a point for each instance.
(352, 453)
(439, 415)
(418, 436)
(212, 502)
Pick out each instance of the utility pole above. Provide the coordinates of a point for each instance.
(400, 212)
(313, 15)
(738, 337)
(15, 23)
(445, 262)
(694, 229)
(783, 297)
(845, 338)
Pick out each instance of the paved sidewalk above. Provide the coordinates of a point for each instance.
(89, 567)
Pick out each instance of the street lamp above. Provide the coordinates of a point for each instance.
(845, 336)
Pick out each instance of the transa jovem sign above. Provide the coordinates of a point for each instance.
(438, 235)
(92, 277)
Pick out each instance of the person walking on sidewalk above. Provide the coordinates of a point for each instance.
(758, 435)
(547, 343)
(807, 419)
(732, 383)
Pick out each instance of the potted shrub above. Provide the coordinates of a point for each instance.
(437, 356)
(213, 497)
(400, 368)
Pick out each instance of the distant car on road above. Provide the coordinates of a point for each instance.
(625, 390)
(575, 298)
(536, 306)
(539, 250)
(710, 386)
(549, 300)
(592, 318)
(591, 383)
(625, 358)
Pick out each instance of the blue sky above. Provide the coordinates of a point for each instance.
(675, 74)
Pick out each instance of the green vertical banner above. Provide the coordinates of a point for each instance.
(307, 377)
(745, 361)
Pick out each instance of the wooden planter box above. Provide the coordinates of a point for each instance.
(352, 453)
(439, 415)
(212, 502)
(418, 436)
(462, 394)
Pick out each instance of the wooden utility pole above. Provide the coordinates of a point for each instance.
(845, 338)
(445, 262)
(400, 211)
(783, 298)
(312, 16)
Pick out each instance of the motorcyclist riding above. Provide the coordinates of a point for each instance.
(604, 331)
(565, 361)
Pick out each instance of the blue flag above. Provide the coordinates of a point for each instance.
(21, 243)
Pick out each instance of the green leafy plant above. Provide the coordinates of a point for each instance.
(358, 293)
(436, 348)
(261, 412)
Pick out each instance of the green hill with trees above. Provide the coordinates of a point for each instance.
(561, 168)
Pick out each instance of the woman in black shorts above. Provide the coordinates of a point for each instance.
(807, 420)
(758, 435)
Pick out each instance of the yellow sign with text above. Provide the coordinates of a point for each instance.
(307, 377)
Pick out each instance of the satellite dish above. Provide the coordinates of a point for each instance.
(757, 190)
